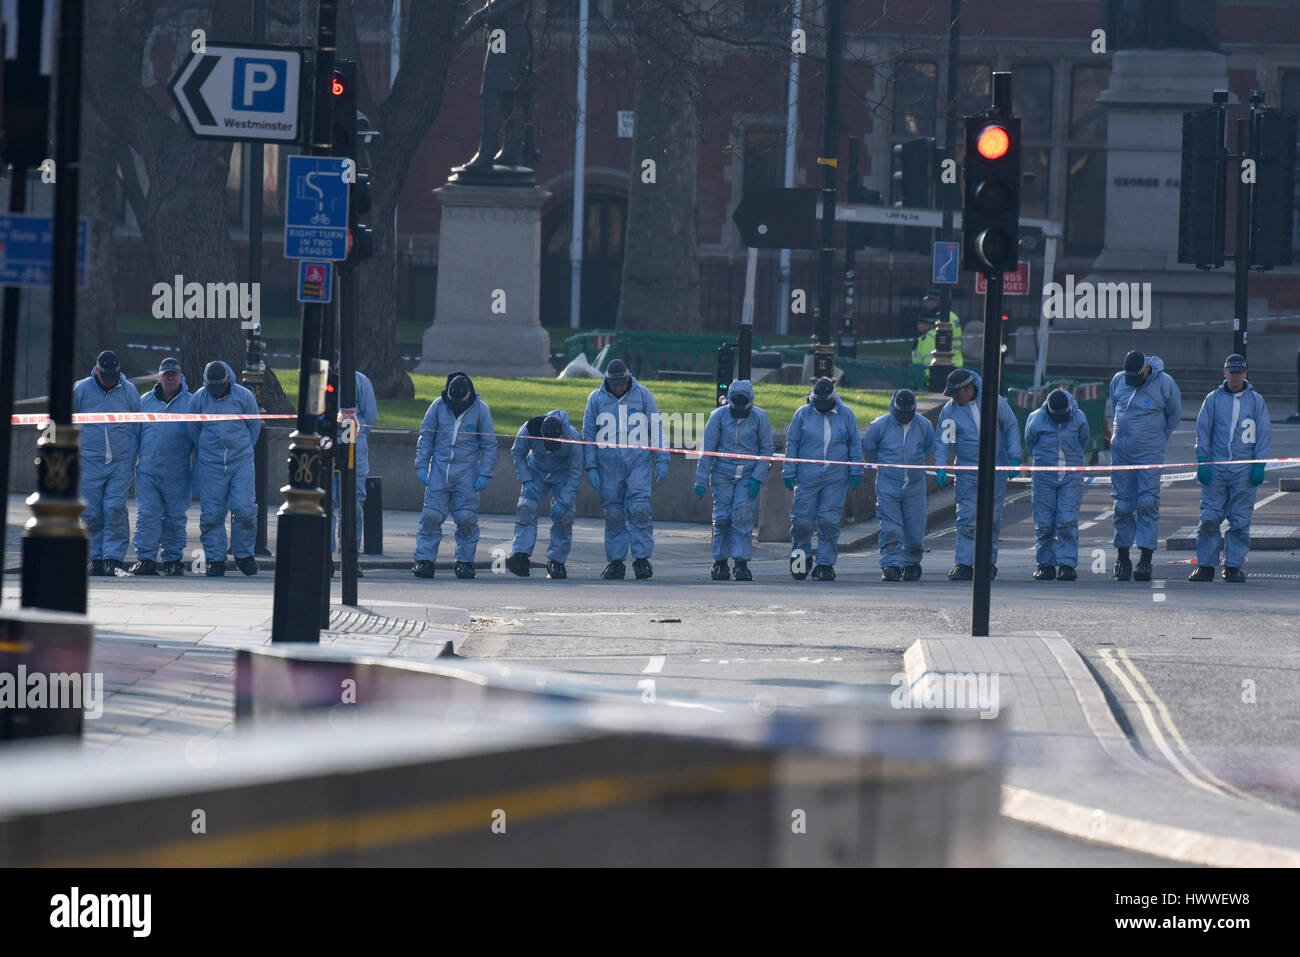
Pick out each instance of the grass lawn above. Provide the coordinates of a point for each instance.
(513, 401)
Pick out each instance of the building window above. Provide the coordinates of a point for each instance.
(1031, 98)
(1087, 116)
(915, 89)
(1291, 104)
(974, 88)
(764, 159)
(1085, 208)
(1035, 160)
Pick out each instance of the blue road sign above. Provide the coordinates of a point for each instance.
(316, 220)
(27, 250)
(947, 257)
(315, 281)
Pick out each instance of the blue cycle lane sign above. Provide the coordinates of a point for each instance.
(316, 216)
(27, 250)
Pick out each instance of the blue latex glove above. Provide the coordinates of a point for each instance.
(1257, 473)
(593, 476)
(661, 471)
(699, 491)
(855, 481)
(1015, 464)
(1204, 474)
(423, 476)
(481, 482)
(558, 511)
(753, 486)
(789, 483)
(532, 491)
(941, 477)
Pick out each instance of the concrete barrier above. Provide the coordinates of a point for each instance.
(45, 679)
(544, 783)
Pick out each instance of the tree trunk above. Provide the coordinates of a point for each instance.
(661, 271)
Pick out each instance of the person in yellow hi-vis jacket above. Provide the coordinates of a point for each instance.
(927, 323)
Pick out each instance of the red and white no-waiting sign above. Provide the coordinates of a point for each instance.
(1013, 283)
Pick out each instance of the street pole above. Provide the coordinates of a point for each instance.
(254, 363)
(579, 173)
(942, 363)
(301, 523)
(349, 282)
(8, 355)
(1241, 255)
(848, 345)
(55, 546)
(746, 344)
(823, 351)
(791, 139)
(329, 431)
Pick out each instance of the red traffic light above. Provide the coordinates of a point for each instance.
(993, 142)
(338, 85)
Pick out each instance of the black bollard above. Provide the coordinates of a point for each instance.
(372, 527)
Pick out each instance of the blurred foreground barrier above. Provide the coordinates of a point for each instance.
(492, 769)
(45, 680)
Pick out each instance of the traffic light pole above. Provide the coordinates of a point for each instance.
(848, 344)
(823, 351)
(1241, 255)
(942, 363)
(990, 389)
(329, 433)
(301, 522)
(55, 547)
(254, 362)
(349, 279)
(9, 356)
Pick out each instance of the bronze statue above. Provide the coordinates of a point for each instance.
(505, 155)
(1160, 24)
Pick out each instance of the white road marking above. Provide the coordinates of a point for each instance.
(1262, 502)
(1158, 596)
(655, 665)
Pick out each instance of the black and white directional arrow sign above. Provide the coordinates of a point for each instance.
(232, 92)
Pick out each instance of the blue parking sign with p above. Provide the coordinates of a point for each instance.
(260, 85)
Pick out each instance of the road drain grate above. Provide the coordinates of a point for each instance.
(359, 623)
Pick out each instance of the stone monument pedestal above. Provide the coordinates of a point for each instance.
(489, 280)
(1148, 92)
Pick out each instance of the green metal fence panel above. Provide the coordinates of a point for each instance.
(648, 353)
(1091, 397)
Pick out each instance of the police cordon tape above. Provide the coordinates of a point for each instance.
(94, 418)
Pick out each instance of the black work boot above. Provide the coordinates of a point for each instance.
(464, 569)
(720, 572)
(892, 573)
(422, 569)
(216, 569)
(797, 562)
(96, 568)
(144, 566)
(1123, 566)
(614, 571)
(556, 570)
(642, 568)
(1204, 573)
(1142, 571)
(911, 573)
(115, 568)
(743, 574)
(518, 564)
(1232, 574)
(1065, 573)
(961, 573)
(248, 565)
(1045, 573)
(823, 573)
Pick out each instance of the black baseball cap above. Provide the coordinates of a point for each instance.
(170, 364)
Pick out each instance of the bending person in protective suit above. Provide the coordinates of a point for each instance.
(367, 416)
(164, 479)
(959, 434)
(1233, 424)
(546, 468)
(620, 414)
(108, 454)
(223, 469)
(454, 461)
(825, 428)
(741, 427)
(1146, 405)
(1057, 434)
(900, 437)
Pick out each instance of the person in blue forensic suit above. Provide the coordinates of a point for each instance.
(825, 428)
(742, 427)
(1057, 434)
(547, 468)
(959, 434)
(223, 469)
(620, 414)
(1233, 424)
(1146, 406)
(900, 437)
(454, 461)
(108, 454)
(164, 476)
(367, 416)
